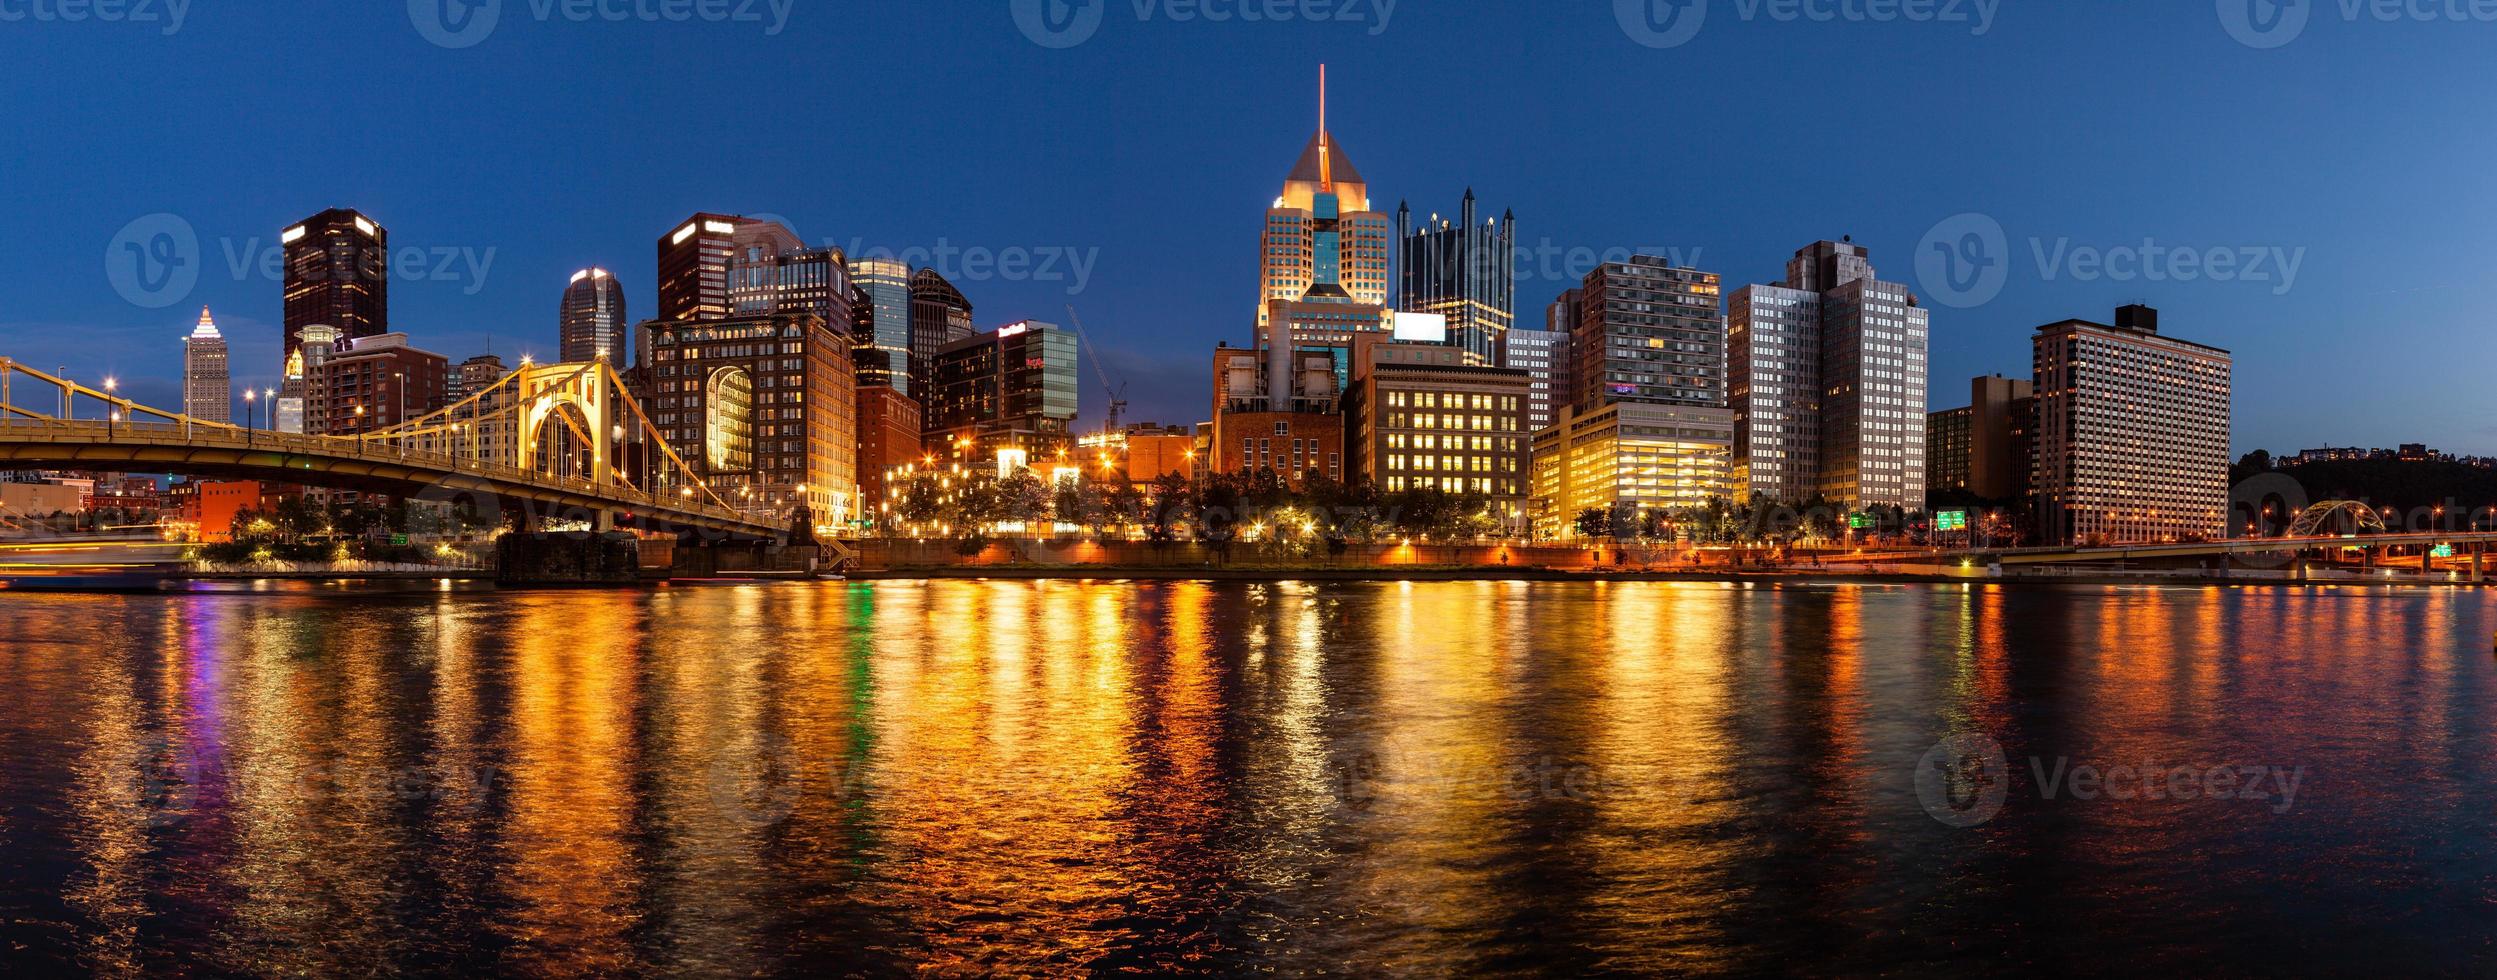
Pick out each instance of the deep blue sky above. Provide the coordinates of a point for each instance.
(1154, 147)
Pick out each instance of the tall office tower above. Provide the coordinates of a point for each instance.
(1322, 242)
(1649, 333)
(301, 406)
(337, 274)
(1013, 388)
(939, 315)
(1826, 375)
(2132, 436)
(592, 324)
(694, 262)
(1465, 271)
(881, 334)
(762, 408)
(1544, 356)
(207, 377)
(378, 382)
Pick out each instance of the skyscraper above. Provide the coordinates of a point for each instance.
(338, 274)
(882, 332)
(1464, 271)
(1322, 242)
(939, 315)
(593, 326)
(693, 266)
(1826, 375)
(2132, 435)
(1650, 333)
(207, 378)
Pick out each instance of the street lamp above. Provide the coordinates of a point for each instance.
(112, 413)
(251, 426)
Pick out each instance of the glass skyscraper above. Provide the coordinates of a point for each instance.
(592, 323)
(1463, 270)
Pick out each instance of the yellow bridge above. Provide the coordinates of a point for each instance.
(553, 443)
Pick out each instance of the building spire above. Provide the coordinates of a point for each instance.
(207, 328)
(1326, 142)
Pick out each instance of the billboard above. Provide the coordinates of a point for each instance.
(1428, 328)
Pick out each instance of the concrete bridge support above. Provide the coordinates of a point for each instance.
(567, 559)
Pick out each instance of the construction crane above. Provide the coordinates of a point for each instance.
(1117, 392)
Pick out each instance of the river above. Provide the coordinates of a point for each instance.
(1374, 779)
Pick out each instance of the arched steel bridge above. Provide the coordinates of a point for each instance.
(496, 448)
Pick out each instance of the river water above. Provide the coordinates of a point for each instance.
(1367, 779)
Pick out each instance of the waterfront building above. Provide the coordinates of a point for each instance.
(882, 331)
(1142, 453)
(1649, 333)
(1544, 356)
(763, 408)
(1422, 416)
(2002, 438)
(1013, 388)
(1322, 243)
(1948, 434)
(207, 374)
(1629, 457)
(1286, 417)
(1826, 377)
(377, 382)
(591, 324)
(939, 315)
(2133, 433)
(888, 438)
(1464, 270)
(337, 274)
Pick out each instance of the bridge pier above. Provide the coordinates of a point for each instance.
(2479, 564)
(567, 559)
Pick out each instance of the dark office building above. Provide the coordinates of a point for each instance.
(592, 324)
(1013, 388)
(694, 263)
(1464, 270)
(939, 315)
(338, 274)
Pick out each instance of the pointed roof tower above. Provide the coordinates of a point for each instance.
(1323, 167)
(207, 328)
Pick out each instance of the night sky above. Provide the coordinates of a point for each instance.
(1130, 170)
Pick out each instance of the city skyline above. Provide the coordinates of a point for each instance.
(1155, 305)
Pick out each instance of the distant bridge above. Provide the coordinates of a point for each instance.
(513, 447)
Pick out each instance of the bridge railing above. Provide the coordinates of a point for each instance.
(176, 434)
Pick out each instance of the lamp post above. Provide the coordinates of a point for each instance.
(251, 423)
(112, 412)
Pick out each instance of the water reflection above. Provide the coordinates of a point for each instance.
(1097, 777)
